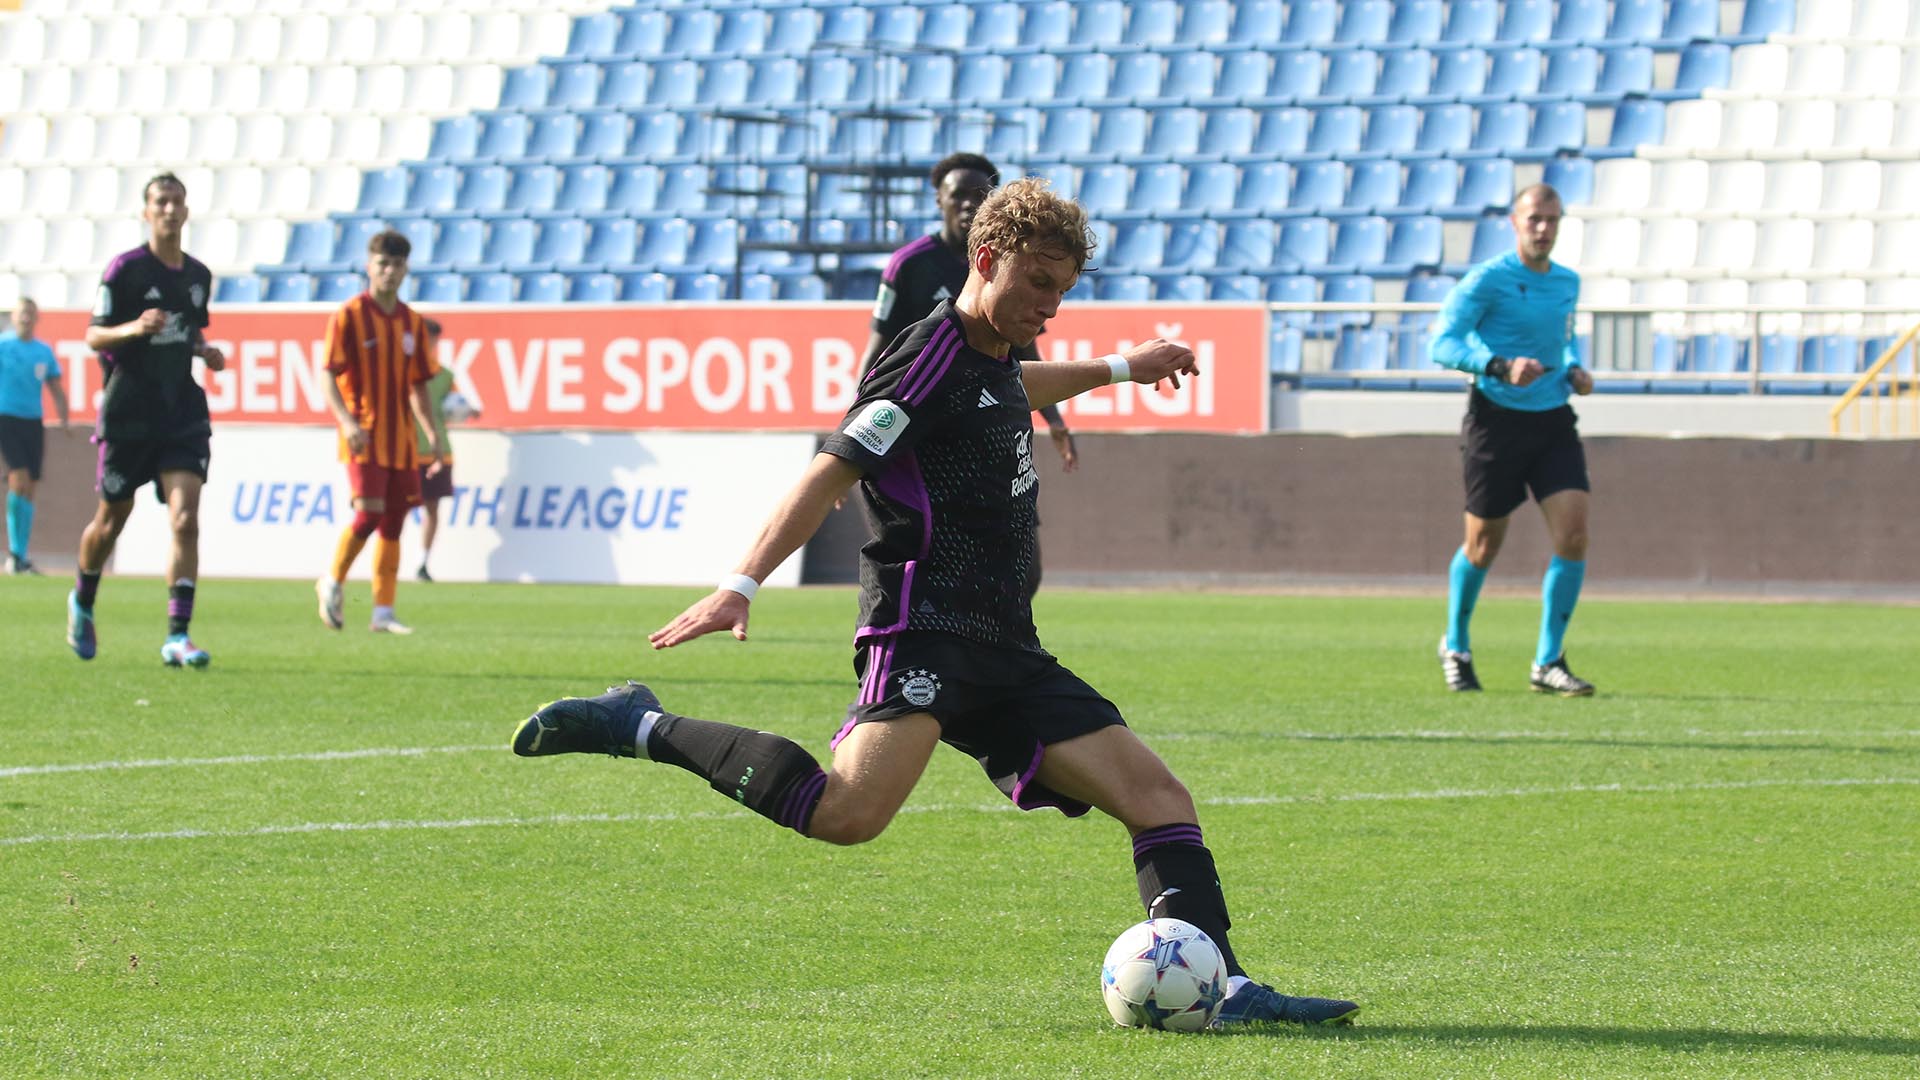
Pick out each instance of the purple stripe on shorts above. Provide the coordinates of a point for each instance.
(1146, 841)
(797, 811)
(846, 729)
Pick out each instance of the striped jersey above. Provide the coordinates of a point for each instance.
(376, 358)
(944, 436)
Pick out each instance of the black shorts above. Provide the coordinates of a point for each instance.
(1506, 453)
(23, 444)
(437, 486)
(127, 464)
(1002, 707)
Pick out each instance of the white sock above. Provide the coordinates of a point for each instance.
(382, 612)
(1235, 982)
(640, 737)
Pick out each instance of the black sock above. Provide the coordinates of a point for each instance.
(767, 773)
(1177, 881)
(179, 607)
(85, 585)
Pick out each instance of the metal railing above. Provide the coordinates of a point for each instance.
(1885, 400)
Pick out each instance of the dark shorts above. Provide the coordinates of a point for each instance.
(125, 464)
(1505, 453)
(1002, 707)
(370, 481)
(23, 444)
(437, 486)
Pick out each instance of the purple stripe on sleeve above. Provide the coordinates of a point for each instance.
(900, 257)
(940, 345)
(924, 384)
(121, 261)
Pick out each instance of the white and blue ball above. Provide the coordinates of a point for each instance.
(1164, 974)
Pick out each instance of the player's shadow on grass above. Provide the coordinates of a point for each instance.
(1685, 1040)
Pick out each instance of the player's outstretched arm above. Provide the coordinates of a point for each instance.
(1052, 381)
(793, 522)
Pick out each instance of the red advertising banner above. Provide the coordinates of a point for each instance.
(697, 367)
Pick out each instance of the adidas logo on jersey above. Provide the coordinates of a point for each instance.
(988, 401)
(153, 292)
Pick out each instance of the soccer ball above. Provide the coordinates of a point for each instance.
(456, 408)
(1165, 974)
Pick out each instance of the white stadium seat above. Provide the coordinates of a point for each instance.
(1880, 20)
(49, 288)
(25, 41)
(13, 85)
(1606, 292)
(70, 139)
(304, 39)
(355, 138)
(99, 192)
(1783, 246)
(216, 241)
(400, 37)
(1680, 187)
(1850, 188)
(1910, 74)
(211, 39)
(1782, 295)
(265, 241)
(335, 188)
(1667, 246)
(286, 89)
(1848, 295)
(380, 88)
(1900, 291)
(1863, 128)
(13, 185)
(1792, 187)
(354, 39)
(476, 86)
(333, 88)
(1817, 69)
(1727, 246)
(1823, 19)
(162, 41)
(1694, 125)
(310, 138)
(164, 138)
(405, 138)
(239, 190)
(1841, 248)
(216, 137)
(448, 37)
(289, 190)
(24, 138)
(1570, 248)
(544, 33)
(116, 35)
(46, 90)
(68, 40)
(1622, 184)
(143, 90)
(1612, 245)
(1873, 71)
(262, 137)
(1806, 127)
(190, 90)
(259, 40)
(1747, 126)
(1758, 70)
(239, 88)
(26, 241)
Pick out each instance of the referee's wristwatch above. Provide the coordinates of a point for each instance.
(1497, 368)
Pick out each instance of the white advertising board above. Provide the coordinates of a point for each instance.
(630, 509)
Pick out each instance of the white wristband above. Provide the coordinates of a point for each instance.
(739, 583)
(1122, 371)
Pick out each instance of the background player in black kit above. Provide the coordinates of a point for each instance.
(153, 424)
(940, 441)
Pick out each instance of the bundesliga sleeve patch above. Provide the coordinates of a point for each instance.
(877, 426)
(883, 305)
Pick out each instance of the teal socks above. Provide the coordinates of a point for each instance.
(1559, 591)
(1463, 591)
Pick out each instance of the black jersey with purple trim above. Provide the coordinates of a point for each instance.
(918, 278)
(945, 437)
(150, 390)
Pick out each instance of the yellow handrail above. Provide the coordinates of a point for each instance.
(1880, 413)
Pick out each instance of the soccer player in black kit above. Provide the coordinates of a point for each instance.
(940, 441)
(153, 424)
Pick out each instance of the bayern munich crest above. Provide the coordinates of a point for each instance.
(919, 686)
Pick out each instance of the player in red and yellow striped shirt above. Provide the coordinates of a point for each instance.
(377, 353)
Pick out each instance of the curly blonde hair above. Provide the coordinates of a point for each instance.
(1027, 215)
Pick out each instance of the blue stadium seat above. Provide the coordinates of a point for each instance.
(1348, 289)
(1209, 189)
(1636, 121)
(981, 78)
(1303, 246)
(603, 134)
(1363, 22)
(525, 88)
(844, 25)
(664, 243)
(1192, 245)
(1151, 22)
(1526, 21)
(1362, 349)
(1704, 65)
(642, 33)
(1626, 70)
(1779, 355)
(1226, 133)
(288, 288)
(310, 244)
(1156, 189)
(1557, 127)
(1716, 354)
(691, 31)
(510, 242)
(592, 289)
(1175, 134)
(1636, 20)
(1485, 184)
(535, 189)
(792, 30)
(1459, 75)
(806, 287)
(459, 242)
(1690, 21)
(1190, 78)
(1292, 289)
(1241, 288)
(1502, 130)
(1310, 22)
(455, 138)
(1336, 131)
(483, 189)
(1417, 244)
(645, 287)
(895, 25)
(944, 27)
(1830, 354)
(437, 288)
(1248, 245)
(1416, 22)
(635, 190)
(574, 86)
(503, 136)
(1572, 72)
(756, 288)
(1134, 288)
(1265, 188)
(431, 188)
(422, 234)
(1097, 23)
(1206, 22)
(1392, 131)
(237, 289)
(1284, 349)
(1066, 132)
(543, 288)
(625, 85)
(383, 190)
(1256, 23)
(1359, 245)
(1295, 75)
(1431, 184)
(928, 80)
(563, 242)
(1046, 25)
(723, 83)
(335, 288)
(553, 136)
(1471, 22)
(594, 35)
(1515, 73)
(654, 136)
(1032, 77)
(1282, 133)
(1180, 288)
(1492, 235)
(683, 189)
(995, 26)
(1445, 129)
(676, 84)
(715, 244)
(489, 288)
(1121, 133)
(1373, 187)
(1139, 246)
(1581, 21)
(1429, 288)
(1319, 187)
(1064, 178)
(1084, 78)
(1405, 74)
(1572, 177)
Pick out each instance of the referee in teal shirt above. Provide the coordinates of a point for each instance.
(26, 366)
(1509, 323)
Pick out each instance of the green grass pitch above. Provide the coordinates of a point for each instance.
(318, 858)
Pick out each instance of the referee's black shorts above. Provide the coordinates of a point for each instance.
(1505, 453)
(23, 444)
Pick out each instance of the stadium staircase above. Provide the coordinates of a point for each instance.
(1720, 156)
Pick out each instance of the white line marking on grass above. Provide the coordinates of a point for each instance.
(942, 808)
(243, 759)
(1522, 736)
